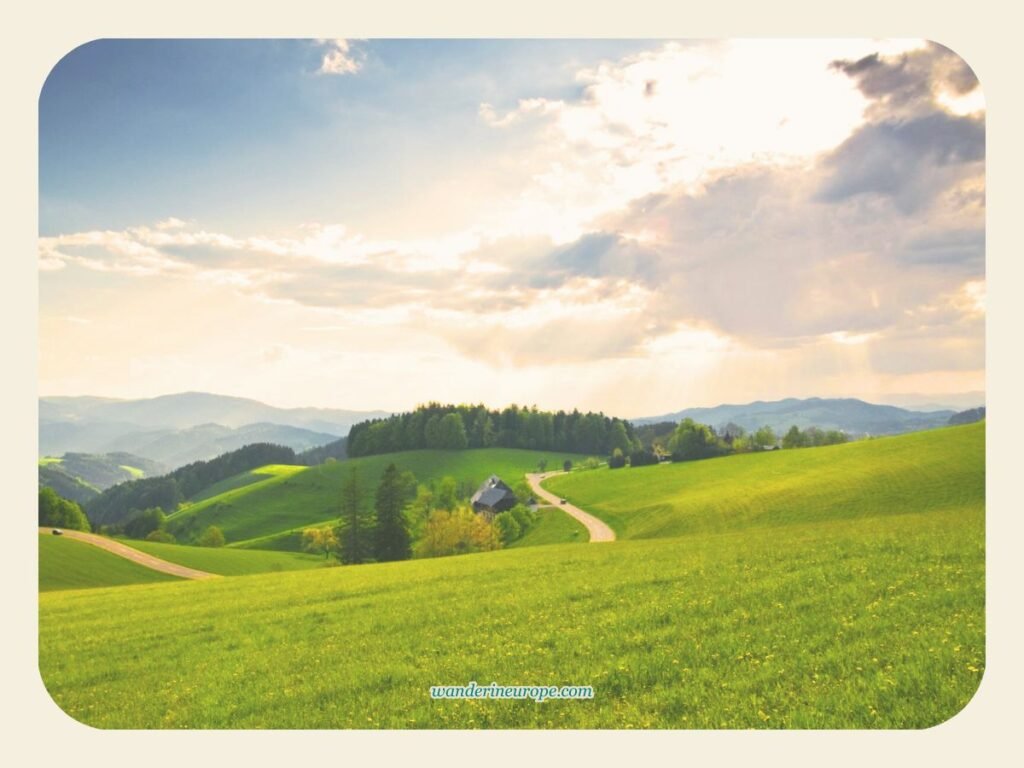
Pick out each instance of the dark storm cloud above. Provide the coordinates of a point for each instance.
(910, 82)
(963, 248)
(910, 162)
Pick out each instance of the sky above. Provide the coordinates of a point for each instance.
(633, 226)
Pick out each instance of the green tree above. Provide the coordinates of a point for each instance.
(617, 460)
(542, 465)
(319, 540)
(212, 537)
(692, 441)
(524, 517)
(507, 527)
(432, 432)
(391, 530)
(145, 522)
(451, 433)
(764, 437)
(447, 495)
(407, 481)
(58, 512)
(567, 466)
(618, 440)
(354, 533)
(161, 536)
(794, 438)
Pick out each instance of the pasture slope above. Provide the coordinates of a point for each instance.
(886, 476)
(66, 563)
(230, 562)
(835, 611)
(267, 507)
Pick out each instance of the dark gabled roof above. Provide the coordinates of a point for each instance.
(492, 492)
(495, 482)
(491, 497)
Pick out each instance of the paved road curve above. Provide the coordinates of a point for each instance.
(134, 555)
(598, 529)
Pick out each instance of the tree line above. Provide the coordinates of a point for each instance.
(455, 427)
(119, 503)
(690, 441)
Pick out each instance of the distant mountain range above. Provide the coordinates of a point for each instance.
(854, 417)
(957, 401)
(178, 429)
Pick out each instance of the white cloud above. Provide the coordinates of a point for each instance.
(340, 58)
(171, 223)
(673, 221)
(678, 115)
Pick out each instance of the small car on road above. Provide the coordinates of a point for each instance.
(57, 532)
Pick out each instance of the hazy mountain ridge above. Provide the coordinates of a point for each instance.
(193, 409)
(178, 429)
(82, 476)
(853, 416)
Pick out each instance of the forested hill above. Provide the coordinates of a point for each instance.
(454, 427)
(117, 503)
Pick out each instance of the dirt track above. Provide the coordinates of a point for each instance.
(598, 529)
(134, 555)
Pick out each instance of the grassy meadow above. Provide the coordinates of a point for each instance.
(270, 502)
(229, 562)
(921, 471)
(553, 526)
(68, 564)
(857, 603)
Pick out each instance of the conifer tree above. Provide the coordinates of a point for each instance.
(355, 542)
(391, 531)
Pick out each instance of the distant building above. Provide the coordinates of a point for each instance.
(493, 497)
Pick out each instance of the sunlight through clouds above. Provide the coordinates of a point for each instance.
(683, 218)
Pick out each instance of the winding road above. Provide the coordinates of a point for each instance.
(598, 529)
(128, 553)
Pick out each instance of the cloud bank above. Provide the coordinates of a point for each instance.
(691, 200)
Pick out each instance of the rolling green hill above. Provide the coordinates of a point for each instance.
(277, 499)
(859, 603)
(68, 564)
(923, 471)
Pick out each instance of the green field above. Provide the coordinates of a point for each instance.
(288, 497)
(553, 526)
(923, 471)
(229, 562)
(68, 564)
(859, 603)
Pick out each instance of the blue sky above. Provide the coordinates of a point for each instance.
(376, 223)
(140, 130)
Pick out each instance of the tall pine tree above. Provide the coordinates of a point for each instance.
(391, 531)
(355, 534)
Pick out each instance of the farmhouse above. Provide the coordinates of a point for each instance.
(493, 497)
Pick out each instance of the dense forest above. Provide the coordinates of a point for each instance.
(313, 456)
(118, 503)
(454, 427)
